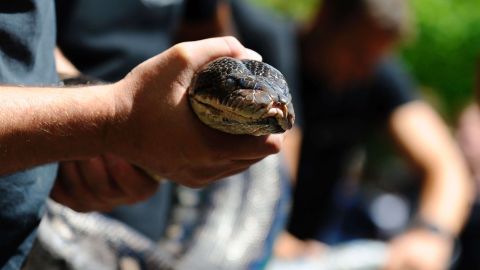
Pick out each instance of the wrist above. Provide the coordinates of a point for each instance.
(111, 104)
(447, 236)
(121, 103)
(433, 228)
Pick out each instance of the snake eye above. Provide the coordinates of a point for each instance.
(230, 83)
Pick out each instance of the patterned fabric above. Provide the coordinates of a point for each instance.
(230, 225)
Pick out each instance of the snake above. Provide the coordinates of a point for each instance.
(242, 97)
(234, 96)
(241, 214)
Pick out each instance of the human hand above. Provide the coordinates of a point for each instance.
(155, 128)
(288, 247)
(419, 249)
(101, 183)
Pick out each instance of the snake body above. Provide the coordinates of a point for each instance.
(242, 97)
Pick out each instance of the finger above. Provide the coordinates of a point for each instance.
(251, 54)
(232, 172)
(99, 181)
(134, 182)
(247, 162)
(81, 196)
(248, 147)
(102, 189)
(203, 51)
(201, 177)
(70, 190)
(60, 195)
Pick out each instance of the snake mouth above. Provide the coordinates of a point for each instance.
(272, 117)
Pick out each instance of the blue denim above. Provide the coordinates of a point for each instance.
(22, 204)
(27, 40)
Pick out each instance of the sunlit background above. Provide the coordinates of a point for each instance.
(441, 55)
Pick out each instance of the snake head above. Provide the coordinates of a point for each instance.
(242, 97)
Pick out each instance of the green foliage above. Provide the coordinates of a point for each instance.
(299, 10)
(442, 56)
(444, 53)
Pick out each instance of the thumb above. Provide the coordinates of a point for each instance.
(203, 51)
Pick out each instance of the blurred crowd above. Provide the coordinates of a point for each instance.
(374, 178)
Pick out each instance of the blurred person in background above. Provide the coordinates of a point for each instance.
(468, 135)
(351, 88)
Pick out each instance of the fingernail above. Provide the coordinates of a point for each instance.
(254, 55)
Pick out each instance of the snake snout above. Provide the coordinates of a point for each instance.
(273, 105)
(242, 97)
(283, 115)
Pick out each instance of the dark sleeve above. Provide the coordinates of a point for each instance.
(392, 88)
(106, 42)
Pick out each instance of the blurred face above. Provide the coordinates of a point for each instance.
(351, 53)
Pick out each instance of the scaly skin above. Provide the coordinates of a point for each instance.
(242, 97)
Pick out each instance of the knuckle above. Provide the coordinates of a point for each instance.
(275, 148)
(233, 44)
(275, 144)
(182, 53)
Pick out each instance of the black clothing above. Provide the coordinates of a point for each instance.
(106, 39)
(27, 41)
(336, 122)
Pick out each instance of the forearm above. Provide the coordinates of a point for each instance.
(443, 210)
(447, 186)
(145, 119)
(41, 125)
(446, 198)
